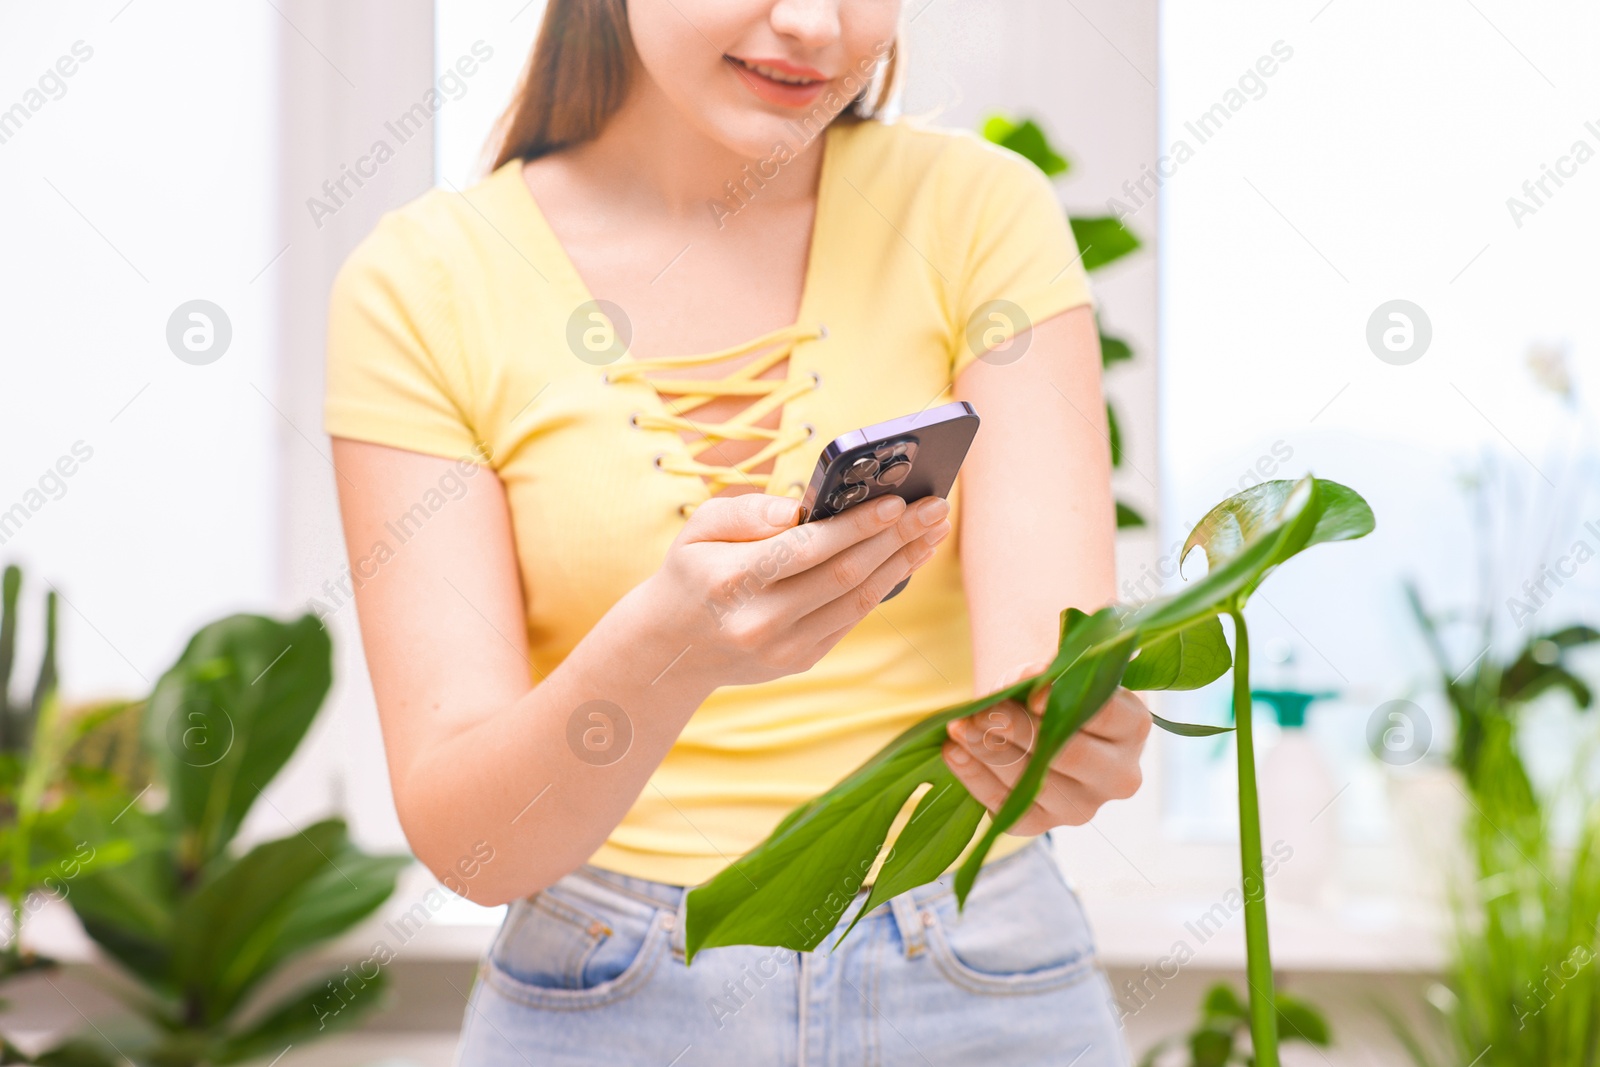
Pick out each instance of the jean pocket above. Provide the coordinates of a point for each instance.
(564, 950)
(1022, 931)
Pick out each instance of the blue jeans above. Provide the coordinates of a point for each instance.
(591, 971)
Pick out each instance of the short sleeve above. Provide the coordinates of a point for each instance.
(395, 372)
(1019, 263)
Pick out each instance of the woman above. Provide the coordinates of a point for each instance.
(573, 408)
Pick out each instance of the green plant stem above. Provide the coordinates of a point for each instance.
(1258, 953)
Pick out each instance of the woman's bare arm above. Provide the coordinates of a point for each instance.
(477, 744)
(1038, 529)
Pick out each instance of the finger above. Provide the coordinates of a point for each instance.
(810, 544)
(827, 561)
(849, 570)
(978, 779)
(1062, 801)
(1107, 770)
(1000, 737)
(1123, 718)
(745, 517)
(850, 606)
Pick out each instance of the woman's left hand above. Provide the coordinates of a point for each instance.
(988, 752)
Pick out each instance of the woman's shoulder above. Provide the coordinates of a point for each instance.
(911, 151)
(442, 229)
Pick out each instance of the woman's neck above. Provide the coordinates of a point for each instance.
(652, 158)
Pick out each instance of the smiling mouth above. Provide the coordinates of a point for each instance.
(774, 74)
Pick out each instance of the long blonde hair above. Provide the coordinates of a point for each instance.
(577, 76)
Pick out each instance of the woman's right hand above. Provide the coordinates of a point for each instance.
(754, 597)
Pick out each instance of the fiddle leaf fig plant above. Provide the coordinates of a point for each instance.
(791, 890)
(202, 927)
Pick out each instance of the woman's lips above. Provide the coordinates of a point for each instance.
(779, 82)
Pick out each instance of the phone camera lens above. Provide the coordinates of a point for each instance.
(846, 495)
(889, 450)
(892, 474)
(860, 470)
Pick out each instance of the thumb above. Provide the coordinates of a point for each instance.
(746, 517)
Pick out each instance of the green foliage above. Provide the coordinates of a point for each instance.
(791, 890)
(1523, 985)
(197, 925)
(1101, 240)
(1488, 695)
(1224, 1021)
(1127, 517)
(18, 719)
(1027, 139)
(1114, 350)
(43, 787)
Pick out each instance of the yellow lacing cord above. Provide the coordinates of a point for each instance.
(773, 393)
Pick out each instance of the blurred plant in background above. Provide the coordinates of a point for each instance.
(1489, 695)
(1102, 240)
(1220, 1036)
(1522, 986)
(48, 777)
(200, 927)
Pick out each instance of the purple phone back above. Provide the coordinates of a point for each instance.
(871, 462)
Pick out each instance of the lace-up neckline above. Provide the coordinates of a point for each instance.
(682, 396)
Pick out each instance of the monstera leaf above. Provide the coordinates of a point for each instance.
(791, 890)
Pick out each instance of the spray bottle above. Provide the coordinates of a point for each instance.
(1298, 823)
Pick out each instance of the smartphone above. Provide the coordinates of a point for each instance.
(911, 457)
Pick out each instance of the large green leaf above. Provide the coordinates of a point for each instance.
(311, 1013)
(280, 898)
(351, 887)
(228, 715)
(1248, 535)
(790, 890)
(1102, 239)
(941, 826)
(1027, 139)
(130, 909)
(1189, 658)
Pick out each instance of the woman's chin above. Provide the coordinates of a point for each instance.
(760, 134)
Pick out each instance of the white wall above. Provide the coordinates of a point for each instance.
(1376, 163)
(149, 182)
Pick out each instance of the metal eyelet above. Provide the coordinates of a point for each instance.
(816, 381)
(633, 420)
(659, 456)
(605, 378)
(811, 431)
(822, 331)
(683, 511)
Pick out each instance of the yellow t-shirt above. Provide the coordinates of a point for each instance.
(449, 335)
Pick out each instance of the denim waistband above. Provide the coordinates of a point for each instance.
(673, 898)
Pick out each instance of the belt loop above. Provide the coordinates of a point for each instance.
(908, 918)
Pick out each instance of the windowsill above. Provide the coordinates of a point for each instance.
(1369, 934)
